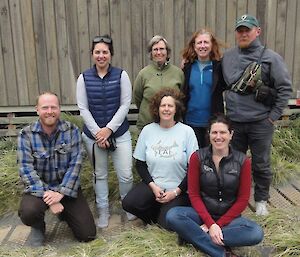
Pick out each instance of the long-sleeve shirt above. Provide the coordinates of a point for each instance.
(50, 162)
(194, 193)
(118, 118)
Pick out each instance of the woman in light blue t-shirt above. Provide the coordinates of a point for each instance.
(162, 153)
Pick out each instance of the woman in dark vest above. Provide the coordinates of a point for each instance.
(103, 98)
(219, 182)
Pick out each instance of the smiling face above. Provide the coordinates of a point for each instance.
(167, 109)
(48, 110)
(244, 35)
(203, 46)
(159, 52)
(220, 136)
(101, 56)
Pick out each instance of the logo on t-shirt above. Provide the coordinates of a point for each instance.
(164, 151)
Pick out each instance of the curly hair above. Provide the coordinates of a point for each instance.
(156, 100)
(189, 54)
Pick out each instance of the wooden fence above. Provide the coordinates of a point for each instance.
(45, 43)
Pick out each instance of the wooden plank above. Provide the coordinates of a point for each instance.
(51, 49)
(104, 21)
(251, 7)
(179, 31)
(83, 35)
(3, 91)
(190, 20)
(67, 79)
(262, 16)
(211, 14)
(230, 24)
(137, 35)
(148, 27)
(241, 8)
(271, 20)
(169, 28)
(280, 27)
(126, 50)
(8, 54)
(290, 193)
(159, 17)
(40, 45)
(29, 49)
(290, 36)
(296, 65)
(92, 7)
(115, 14)
(277, 200)
(18, 45)
(73, 42)
(220, 30)
(200, 7)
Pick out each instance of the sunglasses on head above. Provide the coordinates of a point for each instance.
(102, 39)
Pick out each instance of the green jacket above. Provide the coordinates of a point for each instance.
(149, 81)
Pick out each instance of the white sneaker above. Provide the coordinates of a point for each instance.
(130, 216)
(261, 208)
(103, 217)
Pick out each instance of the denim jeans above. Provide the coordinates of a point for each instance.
(122, 161)
(257, 136)
(186, 222)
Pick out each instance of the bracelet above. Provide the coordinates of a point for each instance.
(175, 193)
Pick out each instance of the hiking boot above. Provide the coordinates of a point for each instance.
(130, 216)
(261, 208)
(36, 237)
(103, 217)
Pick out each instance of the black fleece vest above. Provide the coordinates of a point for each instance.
(219, 191)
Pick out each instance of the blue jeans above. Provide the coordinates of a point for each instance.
(186, 222)
(122, 161)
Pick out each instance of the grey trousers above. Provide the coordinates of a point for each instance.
(257, 136)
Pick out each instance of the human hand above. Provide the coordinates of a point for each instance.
(204, 228)
(216, 234)
(103, 145)
(157, 191)
(166, 197)
(103, 134)
(50, 197)
(56, 208)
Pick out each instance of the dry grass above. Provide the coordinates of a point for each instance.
(282, 227)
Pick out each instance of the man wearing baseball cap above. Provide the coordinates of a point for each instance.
(258, 89)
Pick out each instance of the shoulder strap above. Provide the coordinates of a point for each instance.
(261, 55)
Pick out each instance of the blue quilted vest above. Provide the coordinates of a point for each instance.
(103, 96)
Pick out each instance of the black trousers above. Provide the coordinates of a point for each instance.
(202, 136)
(76, 213)
(141, 202)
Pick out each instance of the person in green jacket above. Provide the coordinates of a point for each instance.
(158, 74)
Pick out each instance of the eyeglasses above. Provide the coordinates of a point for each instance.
(161, 49)
(102, 39)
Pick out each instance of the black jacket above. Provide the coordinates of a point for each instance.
(218, 86)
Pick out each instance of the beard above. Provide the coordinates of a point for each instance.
(244, 44)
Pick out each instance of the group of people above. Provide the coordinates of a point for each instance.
(195, 175)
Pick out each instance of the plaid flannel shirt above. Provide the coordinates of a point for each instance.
(50, 163)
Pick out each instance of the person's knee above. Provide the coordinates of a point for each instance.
(257, 235)
(171, 217)
(86, 235)
(29, 215)
(127, 204)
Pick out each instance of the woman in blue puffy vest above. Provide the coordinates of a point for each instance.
(103, 98)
